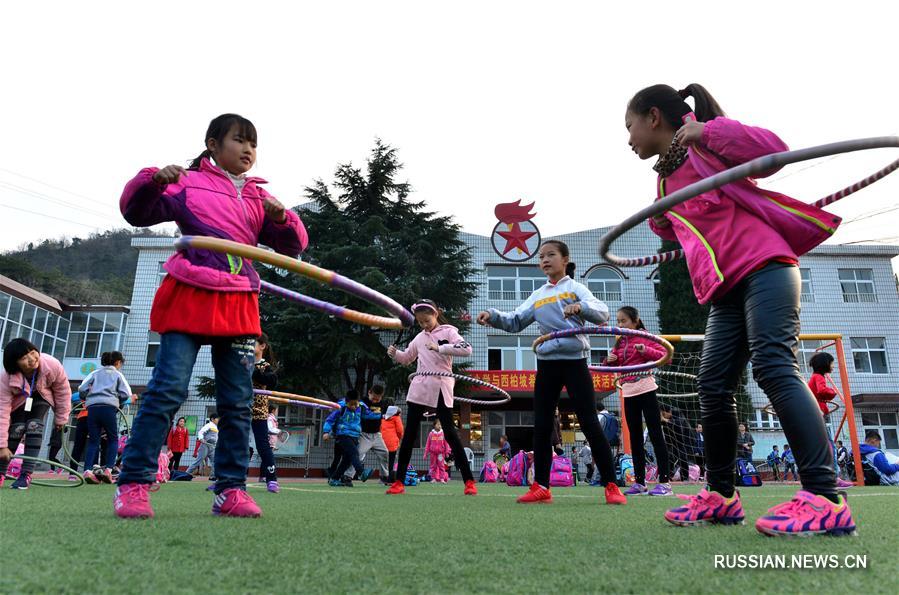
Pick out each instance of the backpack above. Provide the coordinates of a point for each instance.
(411, 477)
(746, 474)
(624, 469)
(611, 428)
(180, 476)
(560, 474)
(517, 475)
(489, 473)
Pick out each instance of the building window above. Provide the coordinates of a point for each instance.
(92, 333)
(806, 350)
(605, 283)
(884, 423)
(160, 274)
(654, 278)
(869, 355)
(806, 295)
(857, 285)
(600, 347)
(19, 319)
(510, 353)
(513, 283)
(152, 348)
(764, 421)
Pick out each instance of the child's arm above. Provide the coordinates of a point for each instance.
(62, 398)
(822, 391)
(651, 351)
(332, 419)
(409, 355)
(592, 310)
(738, 143)
(289, 237)
(399, 427)
(662, 228)
(516, 321)
(5, 408)
(145, 202)
(272, 426)
(123, 389)
(86, 384)
(457, 346)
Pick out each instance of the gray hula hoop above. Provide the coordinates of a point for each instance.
(619, 381)
(750, 168)
(463, 378)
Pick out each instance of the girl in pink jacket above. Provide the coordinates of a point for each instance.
(31, 384)
(434, 348)
(742, 245)
(437, 448)
(640, 402)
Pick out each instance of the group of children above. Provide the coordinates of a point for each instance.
(742, 245)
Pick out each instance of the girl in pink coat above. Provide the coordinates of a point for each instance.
(434, 348)
(742, 244)
(437, 448)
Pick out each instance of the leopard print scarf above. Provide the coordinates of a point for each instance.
(670, 161)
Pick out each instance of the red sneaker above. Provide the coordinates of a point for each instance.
(470, 488)
(614, 495)
(235, 502)
(537, 493)
(104, 475)
(396, 488)
(132, 501)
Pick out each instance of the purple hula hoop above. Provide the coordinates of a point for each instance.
(615, 331)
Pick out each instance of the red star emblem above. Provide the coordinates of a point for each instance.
(515, 238)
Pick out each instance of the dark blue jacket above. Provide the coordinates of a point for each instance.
(344, 422)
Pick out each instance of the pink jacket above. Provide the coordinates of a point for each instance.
(206, 203)
(51, 383)
(728, 233)
(437, 444)
(627, 354)
(424, 389)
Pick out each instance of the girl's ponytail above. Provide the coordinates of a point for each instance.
(569, 269)
(706, 107)
(195, 164)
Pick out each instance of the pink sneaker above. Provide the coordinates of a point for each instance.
(104, 475)
(132, 501)
(235, 502)
(90, 477)
(2, 479)
(808, 514)
(707, 508)
(842, 483)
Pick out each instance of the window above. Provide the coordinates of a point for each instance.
(886, 424)
(857, 285)
(160, 274)
(806, 295)
(92, 333)
(654, 278)
(869, 355)
(513, 283)
(152, 348)
(605, 283)
(763, 420)
(600, 347)
(806, 350)
(41, 327)
(510, 353)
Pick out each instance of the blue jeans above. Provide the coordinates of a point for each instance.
(101, 417)
(232, 358)
(350, 448)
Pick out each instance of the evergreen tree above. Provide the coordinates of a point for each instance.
(368, 229)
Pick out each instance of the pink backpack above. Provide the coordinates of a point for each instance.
(489, 472)
(162, 470)
(15, 465)
(560, 474)
(517, 475)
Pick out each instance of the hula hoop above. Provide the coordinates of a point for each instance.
(662, 374)
(298, 400)
(56, 483)
(67, 427)
(832, 406)
(404, 318)
(750, 168)
(612, 330)
(463, 378)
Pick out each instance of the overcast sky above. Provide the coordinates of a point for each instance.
(487, 102)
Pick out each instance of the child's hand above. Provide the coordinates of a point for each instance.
(661, 221)
(433, 346)
(484, 318)
(571, 310)
(612, 358)
(391, 351)
(169, 174)
(274, 210)
(640, 348)
(326, 436)
(5, 455)
(690, 133)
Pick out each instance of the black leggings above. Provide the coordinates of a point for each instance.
(80, 444)
(264, 448)
(758, 321)
(391, 459)
(176, 461)
(636, 408)
(572, 374)
(27, 425)
(413, 423)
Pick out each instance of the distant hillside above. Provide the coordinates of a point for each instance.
(98, 269)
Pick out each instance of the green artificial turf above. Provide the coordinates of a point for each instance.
(313, 538)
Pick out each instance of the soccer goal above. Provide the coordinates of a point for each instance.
(678, 393)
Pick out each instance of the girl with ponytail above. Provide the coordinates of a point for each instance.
(560, 304)
(742, 245)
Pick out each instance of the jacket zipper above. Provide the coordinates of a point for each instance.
(691, 227)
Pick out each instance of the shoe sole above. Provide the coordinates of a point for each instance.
(704, 522)
(236, 516)
(836, 532)
(534, 502)
(134, 516)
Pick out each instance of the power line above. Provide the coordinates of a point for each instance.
(54, 200)
(52, 186)
(49, 216)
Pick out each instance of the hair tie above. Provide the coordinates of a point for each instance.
(685, 92)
